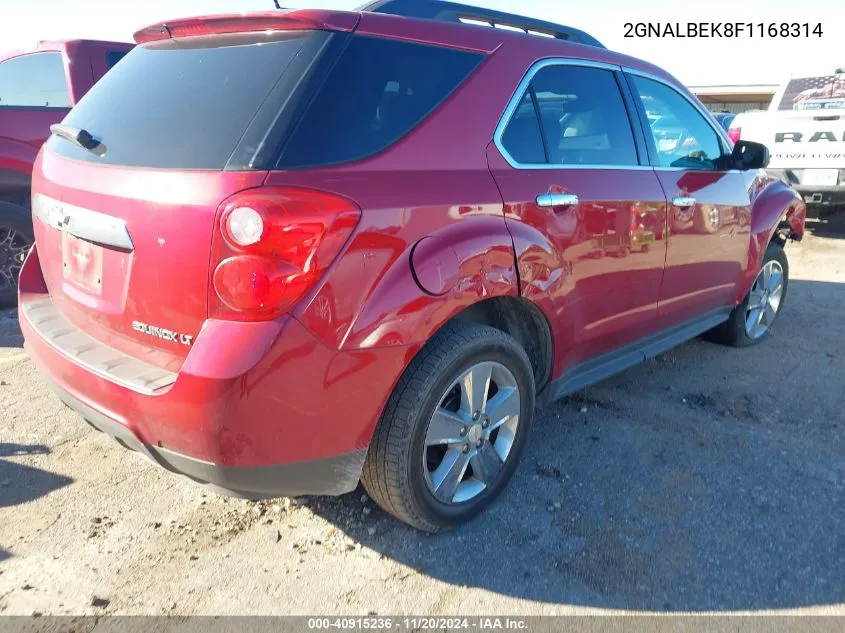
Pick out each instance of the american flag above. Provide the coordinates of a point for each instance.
(809, 88)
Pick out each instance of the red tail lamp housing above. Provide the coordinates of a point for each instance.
(303, 233)
(735, 133)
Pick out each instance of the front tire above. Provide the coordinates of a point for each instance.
(16, 239)
(751, 321)
(454, 428)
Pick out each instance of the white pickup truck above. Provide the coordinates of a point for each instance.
(804, 129)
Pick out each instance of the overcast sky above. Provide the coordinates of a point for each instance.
(694, 61)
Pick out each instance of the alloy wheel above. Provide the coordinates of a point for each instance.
(13, 248)
(472, 432)
(764, 300)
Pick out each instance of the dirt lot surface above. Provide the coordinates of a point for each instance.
(707, 479)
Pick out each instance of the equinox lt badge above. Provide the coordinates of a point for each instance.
(162, 333)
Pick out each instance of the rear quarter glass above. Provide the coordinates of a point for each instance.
(300, 99)
(186, 103)
(378, 91)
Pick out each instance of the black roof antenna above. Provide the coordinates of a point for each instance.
(276, 2)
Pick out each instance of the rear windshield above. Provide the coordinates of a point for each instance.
(814, 93)
(302, 99)
(184, 103)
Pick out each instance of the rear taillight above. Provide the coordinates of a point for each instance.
(271, 246)
(735, 133)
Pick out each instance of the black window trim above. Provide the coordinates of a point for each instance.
(721, 134)
(536, 104)
(255, 150)
(36, 107)
(513, 104)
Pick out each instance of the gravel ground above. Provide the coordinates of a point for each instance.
(709, 479)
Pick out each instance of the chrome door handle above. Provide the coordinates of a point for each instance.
(683, 201)
(557, 200)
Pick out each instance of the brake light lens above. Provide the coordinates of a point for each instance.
(735, 133)
(271, 246)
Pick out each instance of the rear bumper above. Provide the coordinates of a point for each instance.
(814, 195)
(330, 476)
(822, 196)
(256, 409)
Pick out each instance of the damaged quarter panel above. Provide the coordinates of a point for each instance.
(407, 270)
(448, 271)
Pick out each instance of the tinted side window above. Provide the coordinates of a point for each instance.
(521, 138)
(583, 117)
(682, 135)
(377, 92)
(34, 80)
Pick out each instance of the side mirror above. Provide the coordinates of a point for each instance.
(750, 155)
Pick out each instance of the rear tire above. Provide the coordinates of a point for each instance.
(409, 472)
(16, 238)
(751, 321)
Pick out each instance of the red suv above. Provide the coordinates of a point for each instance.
(282, 253)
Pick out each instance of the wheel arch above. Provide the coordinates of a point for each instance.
(15, 186)
(522, 320)
(777, 214)
(482, 288)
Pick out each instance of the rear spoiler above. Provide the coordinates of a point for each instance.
(296, 20)
(443, 11)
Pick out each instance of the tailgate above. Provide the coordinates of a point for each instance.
(125, 252)
(802, 139)
(124, 233)
(805, 126)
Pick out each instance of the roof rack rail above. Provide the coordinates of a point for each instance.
(444, 11)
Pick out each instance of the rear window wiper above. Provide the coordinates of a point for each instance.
(79, 137)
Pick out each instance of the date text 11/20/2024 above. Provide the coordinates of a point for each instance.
(386, 623)
(723, 29)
